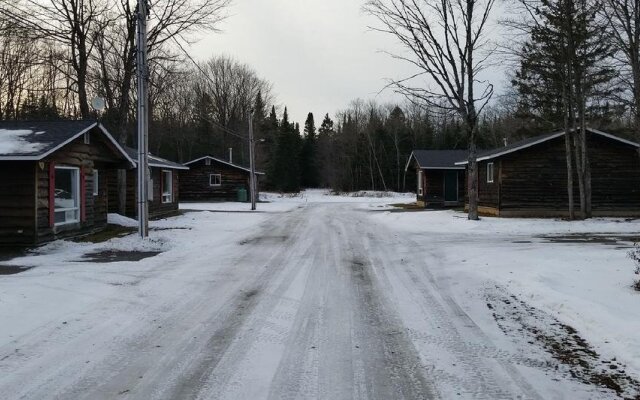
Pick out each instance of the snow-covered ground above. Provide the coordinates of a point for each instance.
(275, 202)
(576, 271)
(322, 296)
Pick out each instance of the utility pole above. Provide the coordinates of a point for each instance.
(252, 162)
(143, 121)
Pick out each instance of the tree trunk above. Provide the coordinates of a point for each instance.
(586, 166)
(473, 182)
(577, 145)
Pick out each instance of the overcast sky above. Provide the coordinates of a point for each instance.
(319, 54)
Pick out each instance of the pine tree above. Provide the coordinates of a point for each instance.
(325, 153)
(563, 65)
(308, 157)
(286, 170)
(270, 134)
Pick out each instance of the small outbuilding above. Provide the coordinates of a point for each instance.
(440, 182)
(213, 179)
(51, 179)
(165, 181)
(529, 178)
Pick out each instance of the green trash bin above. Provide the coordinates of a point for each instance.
(242, 195)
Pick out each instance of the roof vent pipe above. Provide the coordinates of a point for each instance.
(230, 155)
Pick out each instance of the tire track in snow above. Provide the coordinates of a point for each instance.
(131, 362)
(259, 328)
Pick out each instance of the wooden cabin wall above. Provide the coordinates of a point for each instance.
(462, 185)
(114, 200)
(615, 175)
(488, 193)
(156, 206)
(534, 180)
(96, 155)
(17, 202)
(194, 184)
(434, 186)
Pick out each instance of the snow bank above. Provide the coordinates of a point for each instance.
(13, 142)
(117, 219)
(449, 222)
(327, 196)
(282, 202)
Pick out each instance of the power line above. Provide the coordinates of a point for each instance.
(208, 79)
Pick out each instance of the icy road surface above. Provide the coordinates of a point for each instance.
(318, 302)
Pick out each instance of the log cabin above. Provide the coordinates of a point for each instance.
(440, 182)
(164, 198)
(51, 180)
(213, 179)
(529, 178)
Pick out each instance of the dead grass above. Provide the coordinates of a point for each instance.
(110, 232)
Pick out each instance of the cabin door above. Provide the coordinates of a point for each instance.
(451, 186)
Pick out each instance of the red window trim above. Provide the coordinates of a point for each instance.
(52, 193)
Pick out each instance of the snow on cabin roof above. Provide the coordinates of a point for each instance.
(31, 140)
(155, 161)
(438, 159)
(223, 162)
(526, 143)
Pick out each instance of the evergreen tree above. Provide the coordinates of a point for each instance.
(270, 135)
(39, 109)
(308, 157)
(286, 170)
(325, 153)
(563, 66)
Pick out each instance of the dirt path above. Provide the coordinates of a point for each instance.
(318, 303)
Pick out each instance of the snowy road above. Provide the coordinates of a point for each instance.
(320, 302)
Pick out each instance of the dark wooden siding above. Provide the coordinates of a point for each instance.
(96, 155)
(156, 207)
(17, 202)
(434, 187)
(615, 175)
(533, 181)
(489, 193)
(433, 184)
(112, 181)
(194, 184)
(535, 178)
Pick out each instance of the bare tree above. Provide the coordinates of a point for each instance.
(70, 23)
(171, 24)
(623, 17)
(444, 39)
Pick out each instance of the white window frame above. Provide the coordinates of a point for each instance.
(490, 172)
(215, 184)
(78, 198)
(96, 182)
(87, 138)
(420, 182)
(207, 161)
(167, 190)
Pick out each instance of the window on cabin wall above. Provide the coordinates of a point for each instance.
(167, 186)
(67, 195)
(215, 180)
(489, 172)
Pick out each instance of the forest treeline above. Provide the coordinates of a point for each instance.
(52, 70)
